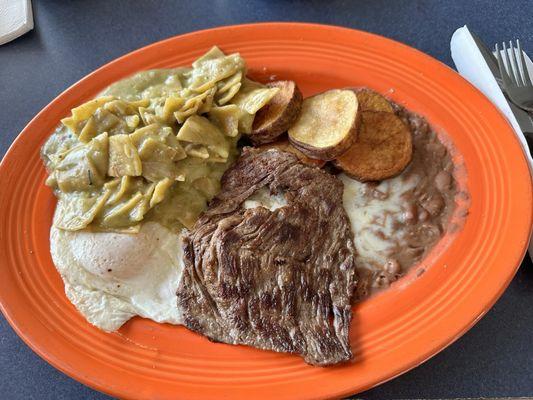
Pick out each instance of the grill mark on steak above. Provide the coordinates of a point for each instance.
(279, 280)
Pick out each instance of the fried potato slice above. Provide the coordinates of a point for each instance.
(382, 150)
(285, 145)
(369, 100)
(279, 114)
(327, 125)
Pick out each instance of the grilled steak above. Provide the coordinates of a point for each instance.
(279, 280)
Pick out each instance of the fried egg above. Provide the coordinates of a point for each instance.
(112, 277)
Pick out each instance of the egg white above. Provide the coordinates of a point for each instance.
(112, 277)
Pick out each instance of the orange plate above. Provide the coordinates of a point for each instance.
(391, 333)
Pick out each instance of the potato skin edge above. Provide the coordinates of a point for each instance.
(279, 126)
(331, 152)
(375, 178)
(280, 145)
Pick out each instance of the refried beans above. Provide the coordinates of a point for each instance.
(397, 221)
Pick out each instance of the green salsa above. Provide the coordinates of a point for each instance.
(152, 147)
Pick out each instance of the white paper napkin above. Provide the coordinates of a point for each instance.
(16, 18)
(472, 66)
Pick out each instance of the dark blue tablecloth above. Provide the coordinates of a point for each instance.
(72, 38)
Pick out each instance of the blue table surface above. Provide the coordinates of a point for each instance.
(72, 38)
